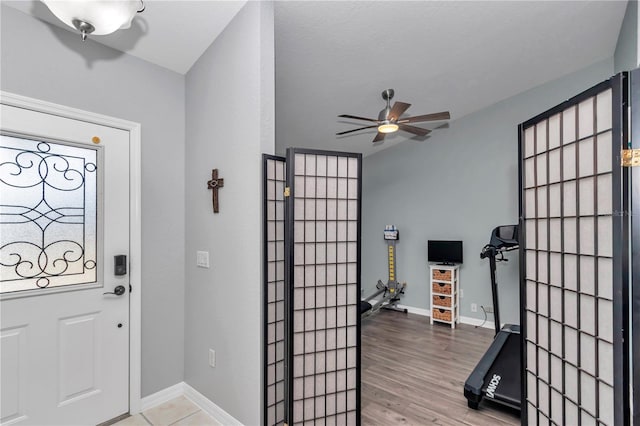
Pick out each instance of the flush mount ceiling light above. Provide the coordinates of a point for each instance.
(98, 17)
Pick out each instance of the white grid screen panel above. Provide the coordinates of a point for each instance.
(568, 268)
(275, 171)
(325, 301)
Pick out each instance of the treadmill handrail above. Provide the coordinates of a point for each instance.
(498, 245)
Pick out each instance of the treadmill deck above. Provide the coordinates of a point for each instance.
(506, 389)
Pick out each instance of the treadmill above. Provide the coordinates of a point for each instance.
(497, 376)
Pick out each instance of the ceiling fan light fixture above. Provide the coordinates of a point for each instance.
(388, 128)
(390, 119)
(99, 17)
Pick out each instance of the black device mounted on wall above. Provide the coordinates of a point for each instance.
(120, 264)
(444, 252)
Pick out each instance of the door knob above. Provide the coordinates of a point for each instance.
(118, 291)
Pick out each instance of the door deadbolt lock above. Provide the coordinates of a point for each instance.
(118, 291)
(120, 265)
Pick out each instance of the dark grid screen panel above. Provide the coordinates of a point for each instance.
(568, 235)
(275, 174)
(324, 303)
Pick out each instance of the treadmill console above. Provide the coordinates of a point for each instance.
(505, 237)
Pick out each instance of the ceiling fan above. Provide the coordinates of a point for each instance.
(389, 119)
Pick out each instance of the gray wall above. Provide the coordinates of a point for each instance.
(626, 55)
(458, 184)
(229, 121)
(48, 63)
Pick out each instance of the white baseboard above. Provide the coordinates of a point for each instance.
(417, 311)
(162, 396)
(183, 389)
(426, 313)
(410, 309)
(209, 407)
(476, 322)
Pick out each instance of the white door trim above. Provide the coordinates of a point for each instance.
(135, 218)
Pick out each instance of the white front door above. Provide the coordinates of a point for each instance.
(64, 216)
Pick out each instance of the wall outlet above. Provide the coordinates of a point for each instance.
(202, 259)
(474, 307)
(488, 309)
(461, 293)
(212, 358)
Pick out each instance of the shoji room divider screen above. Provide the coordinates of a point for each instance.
(312, 288)
(274, 169)
(574, 260)
(634, 144)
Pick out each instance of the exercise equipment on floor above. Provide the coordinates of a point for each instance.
(497, 376)
(392, 290)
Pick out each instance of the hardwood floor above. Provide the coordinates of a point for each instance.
(413, 373)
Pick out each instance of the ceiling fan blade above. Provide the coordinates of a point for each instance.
(397, 110)
(355, 117)
(415, 130)
(355, 130)
(427, 117)
(379, 137)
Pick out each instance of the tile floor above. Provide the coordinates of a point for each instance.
(177, 412)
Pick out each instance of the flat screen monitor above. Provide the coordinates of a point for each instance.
(445, 252)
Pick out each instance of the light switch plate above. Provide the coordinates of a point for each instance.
(202, 259)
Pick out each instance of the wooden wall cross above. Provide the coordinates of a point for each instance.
(214, 184)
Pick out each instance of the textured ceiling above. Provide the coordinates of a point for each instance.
(172, 34)
(336, 58)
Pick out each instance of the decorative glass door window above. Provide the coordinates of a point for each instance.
(48, 215)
